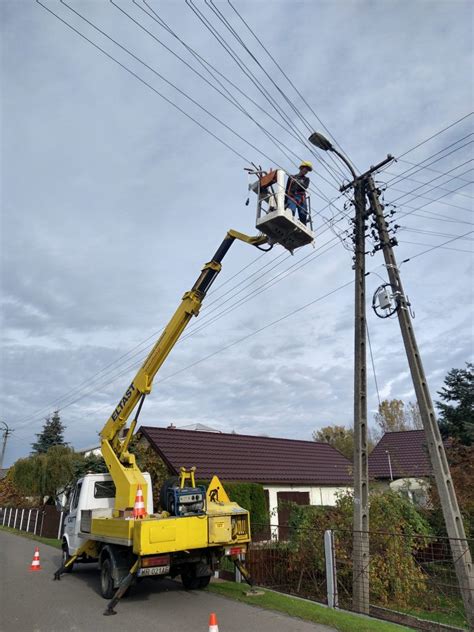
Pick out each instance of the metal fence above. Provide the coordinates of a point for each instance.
(44, 521)
(412, 577)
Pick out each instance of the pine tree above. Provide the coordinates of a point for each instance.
(52, 434)
(457, 421)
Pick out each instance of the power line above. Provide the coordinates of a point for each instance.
(417, 243)
(298, 310)
(414, 164)
(445, 243)
(428, 203)
(399, 178)
(82, 392)
(134, 74)
(389, 173)
(207, 65)
(229, 97)
(441, 131)
(286, 77)
(248, 73)
(296, 110)
(434, 180)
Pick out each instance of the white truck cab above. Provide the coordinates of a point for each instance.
(93, 493)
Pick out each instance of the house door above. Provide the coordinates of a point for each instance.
(284, 509)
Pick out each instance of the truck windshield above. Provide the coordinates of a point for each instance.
(104, 489)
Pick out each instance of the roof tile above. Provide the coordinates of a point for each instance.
(235, 457)
(408, 455)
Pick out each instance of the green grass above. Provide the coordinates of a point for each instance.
(342, 621)
(451, 615)
(31, 536)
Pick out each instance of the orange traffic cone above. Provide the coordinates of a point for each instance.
(213, 627)
(35, 564)
(139, 510)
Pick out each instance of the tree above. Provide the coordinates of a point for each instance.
(10, 495)
(456, 418)
(413, 416)
(52, 434)
(46, 474)
(149, 461)
(392, 416)
(461, 464)
(339, 437)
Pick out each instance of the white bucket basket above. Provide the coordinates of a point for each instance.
(273, 219)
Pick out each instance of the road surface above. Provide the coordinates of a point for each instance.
(32, 602)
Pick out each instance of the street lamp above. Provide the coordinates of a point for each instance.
(321, 142)
(360, 578)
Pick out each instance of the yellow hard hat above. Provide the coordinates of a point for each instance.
(307, 164)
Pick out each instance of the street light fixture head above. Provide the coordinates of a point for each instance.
(320, 141)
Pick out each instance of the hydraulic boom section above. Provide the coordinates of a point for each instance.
(120, 462)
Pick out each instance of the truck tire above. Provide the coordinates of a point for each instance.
(203, 582)
(189, 579)
(65, 557)
(107, 589)
(191, 582)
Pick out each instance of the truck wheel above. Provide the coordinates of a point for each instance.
(203, 582)
(106, 580)
(189, 579)
(65, 557)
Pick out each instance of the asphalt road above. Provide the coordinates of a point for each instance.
(32, 602)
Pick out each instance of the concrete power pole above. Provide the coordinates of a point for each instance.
(6, 433)
(452, 516)
(360, 556)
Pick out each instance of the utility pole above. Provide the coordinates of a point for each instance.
(360, 556)
(6, 433)
(360, 528)
(452, 516)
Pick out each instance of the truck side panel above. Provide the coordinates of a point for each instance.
(170, 534)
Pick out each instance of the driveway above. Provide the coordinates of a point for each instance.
(33, 602)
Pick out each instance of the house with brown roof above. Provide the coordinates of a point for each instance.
(304, 472)
(400, 462)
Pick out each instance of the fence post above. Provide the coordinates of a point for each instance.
(238, 574)
(10, 515)
(21, 519)
(28, 523)
(14, 521)
(331, 577)
(4, 516)
(36, 521)
(42, 521)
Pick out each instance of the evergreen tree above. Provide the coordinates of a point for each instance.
(456, 419)
(52, 434)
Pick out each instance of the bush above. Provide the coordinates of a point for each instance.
(250, 496)
(397, 531)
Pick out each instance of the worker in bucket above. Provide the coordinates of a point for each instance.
(295, 194)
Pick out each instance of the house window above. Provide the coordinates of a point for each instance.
(104, 489)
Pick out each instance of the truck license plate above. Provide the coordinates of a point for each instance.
(154, 570)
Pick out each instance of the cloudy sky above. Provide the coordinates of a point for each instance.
(112, 199)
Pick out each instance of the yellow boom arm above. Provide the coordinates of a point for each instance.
(120, 462)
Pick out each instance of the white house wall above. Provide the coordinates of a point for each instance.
(317, 496)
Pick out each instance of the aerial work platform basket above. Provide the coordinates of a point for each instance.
(276, 221)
